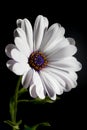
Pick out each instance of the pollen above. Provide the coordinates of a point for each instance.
(38, 60)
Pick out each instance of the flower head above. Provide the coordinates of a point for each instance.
(44, 58)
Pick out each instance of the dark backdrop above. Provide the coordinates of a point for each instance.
(70, 111)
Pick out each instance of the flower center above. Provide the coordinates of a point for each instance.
(37, 60)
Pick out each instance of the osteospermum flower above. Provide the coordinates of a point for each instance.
(44, 58)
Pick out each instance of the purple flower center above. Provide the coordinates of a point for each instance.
(37, 60)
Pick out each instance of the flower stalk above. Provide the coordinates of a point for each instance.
(13, 105)
(16, 98)
(13, 108)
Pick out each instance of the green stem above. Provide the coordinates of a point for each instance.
(15, 98)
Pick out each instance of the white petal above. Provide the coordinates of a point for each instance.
(19, 22)
(12, 52)
(17, 68)
(41, 24)
(71, 41)
(46, 22)
(60, 45)
(8, 49)
(27, 78)
(64, 52)
(32, 91)
(73, 75)
(18, 32)
(22, 47)
(18, 56)
(69, 78)
(21, 34)
(48, 87)
(26, 26)
(52, 36)
(10, 64)
(39, 86)
(51, 71)
(66, 64)
(20, 68)
(54, 84)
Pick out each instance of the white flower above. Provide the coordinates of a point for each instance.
(44, 58)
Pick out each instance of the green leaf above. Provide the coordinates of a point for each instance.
(38, 100)
(19, 122)
(22, 91)
(27, 128)
(36, 126)
(40, 124)
(12, 124)
(42, 101)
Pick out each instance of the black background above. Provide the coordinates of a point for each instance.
(70, 111)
